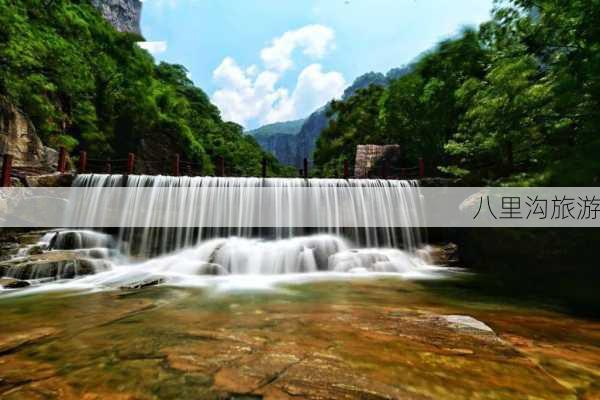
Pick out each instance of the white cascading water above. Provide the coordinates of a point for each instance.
(185, 255)
(155, 241)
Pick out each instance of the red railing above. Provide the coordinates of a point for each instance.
(127, 166)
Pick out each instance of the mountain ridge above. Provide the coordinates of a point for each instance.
(278, 128)
(292, 149)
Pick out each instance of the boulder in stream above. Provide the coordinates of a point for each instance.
(212, 269)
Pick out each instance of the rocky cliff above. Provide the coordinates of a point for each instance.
(279, 139)
(18, 138)
(282, 146)
(307, 138)
(124, 15)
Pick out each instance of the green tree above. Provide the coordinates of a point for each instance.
(85, 85)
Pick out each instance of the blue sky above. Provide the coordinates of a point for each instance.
(264, 61)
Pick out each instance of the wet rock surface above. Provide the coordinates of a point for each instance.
(361, 339)
(10, 283)
(13, 240)
(49, 255)
(52, 264)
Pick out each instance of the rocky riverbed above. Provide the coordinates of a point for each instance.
(354, 339)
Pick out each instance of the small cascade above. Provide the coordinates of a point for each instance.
(235, 263)
(62, 254)
(239, 256)
(186, 250)
(78, 239)
(54, 268)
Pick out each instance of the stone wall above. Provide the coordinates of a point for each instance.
(18, 138)
(124, 15)
(368, 155)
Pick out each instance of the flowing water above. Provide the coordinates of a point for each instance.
(239, 254)
(235, 201)
(238, 312)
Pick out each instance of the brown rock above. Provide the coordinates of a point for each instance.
(10, 283)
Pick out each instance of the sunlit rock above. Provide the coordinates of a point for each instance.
(124, 15)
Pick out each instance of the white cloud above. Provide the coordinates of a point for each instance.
(241, 98)
(314, 89)
(154, 47)
(252, 70)
(314, 40)
(252, 94)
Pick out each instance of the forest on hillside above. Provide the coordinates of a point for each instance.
(87, 86)
(515, 102)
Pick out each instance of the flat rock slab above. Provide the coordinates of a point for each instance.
(386, 342)
(354, 353)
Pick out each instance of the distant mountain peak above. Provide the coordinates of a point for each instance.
(363, 82)
(278, 128)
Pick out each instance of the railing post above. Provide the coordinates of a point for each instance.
(264, 167)
(62, 160)
(300, 172)
(221, 166)
(6, 169)
(108, 167)
(421, 168)
(305, 168)
(82, 161)
(384, 170)
(346, 169)
(130, 163)
(176, 165)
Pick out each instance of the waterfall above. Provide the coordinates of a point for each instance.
(233, 200)
(186, 246)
